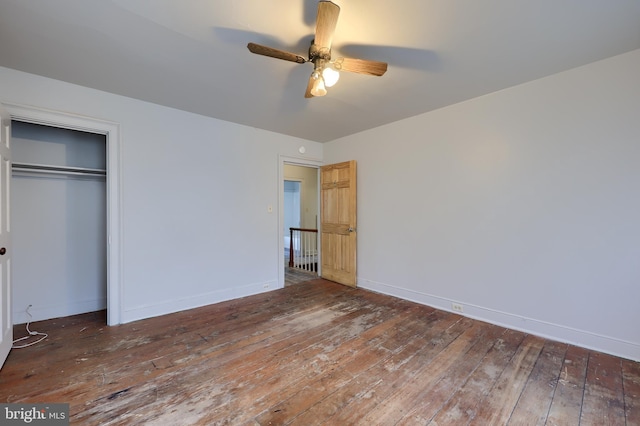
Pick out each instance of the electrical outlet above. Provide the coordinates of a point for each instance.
(457, 307)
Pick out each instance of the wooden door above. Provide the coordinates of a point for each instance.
(6, 322)
(338, 222)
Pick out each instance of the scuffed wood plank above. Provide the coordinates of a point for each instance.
(496, 408)
(367, 390)
(567, 400)
(345, 366)
(464, 404)
(275, 325)
(390, 410)
(534, 402)
(631, 386)
(443, 383)
(329, 366)
(603, 402)
(271, 364)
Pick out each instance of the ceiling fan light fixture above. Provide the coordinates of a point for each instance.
(318, 87)
(330, 74)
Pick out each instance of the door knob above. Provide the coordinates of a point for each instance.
(351, 229)
(3, 250)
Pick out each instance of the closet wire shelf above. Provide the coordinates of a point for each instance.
(58, 170)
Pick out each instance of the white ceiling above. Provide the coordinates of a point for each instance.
(192, 55)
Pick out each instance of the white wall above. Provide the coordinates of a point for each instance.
(523, 205)
(195, 190)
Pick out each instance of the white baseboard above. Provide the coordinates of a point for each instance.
(177, 305)
(533, 326)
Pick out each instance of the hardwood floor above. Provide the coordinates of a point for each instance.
(317, 353)
(293, 276)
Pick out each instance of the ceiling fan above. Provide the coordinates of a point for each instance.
(325, 70)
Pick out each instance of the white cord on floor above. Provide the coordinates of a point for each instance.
(31, 333)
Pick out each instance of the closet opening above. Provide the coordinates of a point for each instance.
(58, 222)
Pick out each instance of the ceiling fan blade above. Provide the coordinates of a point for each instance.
(326, 23)
(275, 53)
(362, 66)
(308, 94)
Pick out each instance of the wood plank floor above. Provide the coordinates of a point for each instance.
(317, 353)
(293, 276)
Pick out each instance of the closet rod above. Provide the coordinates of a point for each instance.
(43, 168)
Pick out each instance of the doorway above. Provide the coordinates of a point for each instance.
(299, 254)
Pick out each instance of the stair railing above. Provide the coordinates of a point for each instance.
(303, 249)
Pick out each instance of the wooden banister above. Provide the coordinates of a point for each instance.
(304, 230)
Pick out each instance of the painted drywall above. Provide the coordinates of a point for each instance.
(308, 176)
(521, 205)
(58, 225)
(195, 195)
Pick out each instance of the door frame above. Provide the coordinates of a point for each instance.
(294, 161)
(111, 130)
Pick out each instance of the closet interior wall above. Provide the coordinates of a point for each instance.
(58, 222)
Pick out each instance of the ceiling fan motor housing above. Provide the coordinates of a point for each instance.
(319, 53)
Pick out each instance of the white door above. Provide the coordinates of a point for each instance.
(6, 323)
